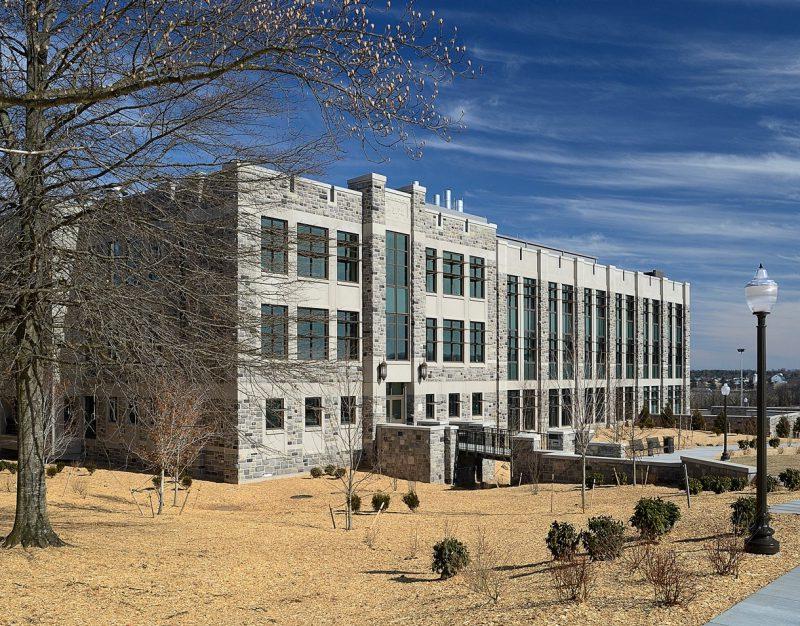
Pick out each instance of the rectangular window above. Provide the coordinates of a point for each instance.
(453, 273)
(347, 344)
(529, 409)
(430, 270)
(312, 251)
(601, 355)
(133, 412)
(453, 341)
(274, 412)
(620, 338)
(656, 369)
(313, 412)
(568, 330)
(430, 340)
(274, 245)
(513, 409)
(566, 407)
(430, 406)
(588, 333)
(477, 404)
(529, 319)
(630, 337)
(347, 410)
(552, 337)
(670, 339)
(347, 256)
(112, 410)
(477, 342)
(477, 277)
(454, 405)
(397, 305)
(679, 341)
(396, 403)
(312, 334)
(646, 338)
(553, 400)
(89, 418)
(274, 331)
(512, 325)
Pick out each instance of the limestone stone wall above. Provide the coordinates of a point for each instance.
(421, 453)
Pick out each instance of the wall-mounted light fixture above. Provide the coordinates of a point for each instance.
(382, 371)
(423, 370)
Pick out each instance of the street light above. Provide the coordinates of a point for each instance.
(726, 456)
(741, 375)
(761, 294)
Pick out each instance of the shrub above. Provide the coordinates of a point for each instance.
(156, 480)
(60, 466)
(485, 575)
(724, 554)
(708, 482)
(186, 481)
(411, 500)
(654, 517)
(721, 484)
(698, 421)
(380, 501)
(738, 483)
(668, 417)
(11, 467)
(562, 541)
(695, 486)
(743, 514)
(90, 467)
(51, 471)
(339, 472)
(449, 557)
(604, 538)
(783, 427)
(329, 469)
(593, 478)
(719, 424)
(744, 444)
(772, 483)
(774, 442)
(752, 443)
(316, 472)
(673, 583)
(790, 478)
(573, 580)
(355, 503)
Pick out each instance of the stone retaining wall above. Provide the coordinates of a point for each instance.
(423, 452)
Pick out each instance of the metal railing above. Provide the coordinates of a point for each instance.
(489, 442)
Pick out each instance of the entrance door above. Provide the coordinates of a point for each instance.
(396, 403)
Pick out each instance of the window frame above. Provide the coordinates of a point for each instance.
(313, 250)
(477, 277)
(268, 312)
(452, 273)
(347, 256)
(452, 337)
(348, 406)
(431, 342)
(431, 278)
(311, 316)
(315, 408)
(477, 340)
(476, 396)
(274, 245)
(351, 322)
(280, 412)
(454, 401)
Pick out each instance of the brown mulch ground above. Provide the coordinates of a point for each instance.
(256, 554)
(776, 463)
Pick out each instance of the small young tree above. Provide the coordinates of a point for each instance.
(667, 416)
(783, 428)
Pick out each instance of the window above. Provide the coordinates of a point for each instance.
(430, 406)
(656, 369)
(477, 342)
(670, 339)
(512, 324)
(347, 410)
(646, 338)
(454, 405)
(553, 399)
(566, 407)
(112, 410)
(477, 403)
(430, 270)
(453, 341)
(453, 273)
(133, 412)
(347, 256)
(312, 251)
(618, 317)
(347, 348)
(313, 412)
(568, 330)
(430, 339)
(588, 333)
(395, 402)
(630, 337)
(601, 307)
(679, 341)
(552, 337)
(274, 331)
(477, 277)
(529, 409)
(89, 418)
(274, 412)
(529, 329)
(274, 246)
(512, 396)
(312, 334)
(397, 306)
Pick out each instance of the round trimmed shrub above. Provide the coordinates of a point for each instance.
(450, 556)
(329, 469)
(774, 442)
(772, 483)
(562, 541)
(743, 514)
(90, 466)
(186, 481)
(721, 484)
(593, 478)
(738, 483)
(355, 503)
(380, 500)
(752, 443)
(51, 471)
(316, 472)
(411, 500)
(790, 478)
(604, 538)
(339, 472)
(744, 444)
(695, 486)
(783, 428)
(654, 517)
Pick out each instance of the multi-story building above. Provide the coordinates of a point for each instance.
(403, 311)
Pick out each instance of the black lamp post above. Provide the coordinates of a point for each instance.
(726, 456)
(761, 294)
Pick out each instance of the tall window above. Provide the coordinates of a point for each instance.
(274, 412)
(529, 329)
(274, 245)
(430, 270)
(679, 341)
(313, 412)
(620, 338)
(430, 406)
(453, 273)
(477, 403)
(430, 339)
(274, 331)
(452, 341)
(553, 401)
(347, 348)
(512, 301)
(477, 342)
(568, 330)
(397, 306)
(477, 277)
(588, 333)
(630, 347)
(529, 409)
(656, 339)
(566, 407)
(312, 251)
(670, 339)
(513, 409)
(89, 417)
(552, 337)
(312, 334)
(347, 257)
(646, 338)
(454, 405)
(347, 410)
(601, 357)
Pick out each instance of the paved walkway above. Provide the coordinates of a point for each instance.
(777, 604)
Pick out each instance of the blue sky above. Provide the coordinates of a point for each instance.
(649, 134)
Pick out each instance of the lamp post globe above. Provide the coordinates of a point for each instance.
(725, 391)
(761, 294)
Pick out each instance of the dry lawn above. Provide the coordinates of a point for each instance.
(776, 462)
(689, 438)
(257, 554)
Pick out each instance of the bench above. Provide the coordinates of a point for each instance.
(654, 446)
